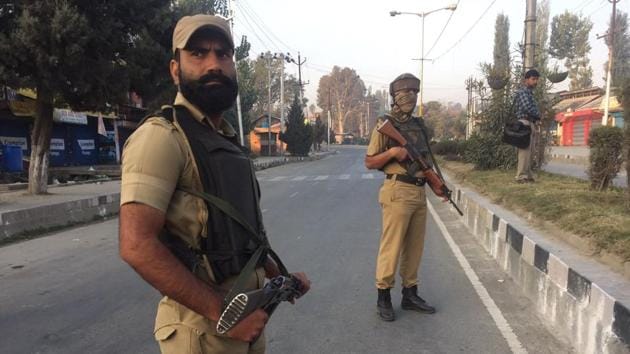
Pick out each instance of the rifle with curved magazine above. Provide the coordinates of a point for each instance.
(434, 179)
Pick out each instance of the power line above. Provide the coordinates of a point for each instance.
(467, 32)
(443, 29)
(255, 15)
(582, 5)
(596, 10)
(253, 31)
(366, 77)
(246, 15)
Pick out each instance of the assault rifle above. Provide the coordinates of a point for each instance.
(278, 289)
(435, 180)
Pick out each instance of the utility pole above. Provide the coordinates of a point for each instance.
(611, 47)
(299, 64)
(281, 91)
(328, 131)
(469, 125)
(422, 15)
(329, 114)
(268, 57)
(238, 96)
(530, 36)
(367, 121)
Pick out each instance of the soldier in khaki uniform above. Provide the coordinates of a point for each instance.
(402, 199)
(190, 252)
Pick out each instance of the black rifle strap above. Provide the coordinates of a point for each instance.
(168, 112)
(228, 210)
(263, 244)
(426, 138)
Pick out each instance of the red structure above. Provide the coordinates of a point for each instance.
(578, 113)
(577, 126)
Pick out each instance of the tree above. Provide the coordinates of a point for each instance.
(212, 7)
(500, 69)
(501, 52)
(542, 36)
(298, 135)
(260, 83)
(73, 53)
(246, 87)
(541, 93)
(621, 50)
(342, 92)
(624, 93)
(569, 42)
(319, 133)
(446, 121)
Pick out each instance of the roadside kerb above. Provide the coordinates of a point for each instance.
(585, 301)
(577, 160)
(46, 217)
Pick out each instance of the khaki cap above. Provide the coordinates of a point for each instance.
(188, 25)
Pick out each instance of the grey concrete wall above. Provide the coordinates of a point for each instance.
(53, 216)
(584, 301)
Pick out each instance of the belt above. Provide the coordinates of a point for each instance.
(418, 181)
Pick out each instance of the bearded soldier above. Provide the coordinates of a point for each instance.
(190, 220)
(402, 199)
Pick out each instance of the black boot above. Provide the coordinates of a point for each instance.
(411, 301)
(384, 305)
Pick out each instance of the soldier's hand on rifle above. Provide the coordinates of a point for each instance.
(250, 327)
(306, 284)
(399, 153)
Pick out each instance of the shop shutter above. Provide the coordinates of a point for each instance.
(578, 133)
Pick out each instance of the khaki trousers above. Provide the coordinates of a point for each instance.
(524, 168)
(179, 330)
(404, 220)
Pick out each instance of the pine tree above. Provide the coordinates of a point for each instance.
(621, 52)
(298, 135)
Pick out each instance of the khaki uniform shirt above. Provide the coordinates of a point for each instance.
(156, 160)
(377, 145)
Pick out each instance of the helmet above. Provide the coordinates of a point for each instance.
(404, 81)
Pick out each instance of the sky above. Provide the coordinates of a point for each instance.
(361, 34)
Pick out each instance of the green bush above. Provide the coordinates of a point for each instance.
(487, 152)
(606, 157)
(446, 147)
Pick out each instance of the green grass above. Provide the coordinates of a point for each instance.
(567, 202)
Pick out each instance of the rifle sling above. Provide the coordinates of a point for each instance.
(437, 168)
(263, 244)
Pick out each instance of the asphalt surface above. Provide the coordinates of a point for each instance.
(580, 171)
(68, 292)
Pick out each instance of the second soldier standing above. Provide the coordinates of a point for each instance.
(402, 199)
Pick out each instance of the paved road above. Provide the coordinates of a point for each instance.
(69, 293)
(579, 171)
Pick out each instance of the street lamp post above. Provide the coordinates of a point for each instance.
(422, 15)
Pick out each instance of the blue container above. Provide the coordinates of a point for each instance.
(12, 158)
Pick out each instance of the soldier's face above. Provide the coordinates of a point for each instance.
(406, 100)
(205, 73)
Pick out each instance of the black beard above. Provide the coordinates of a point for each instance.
(211, 99)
